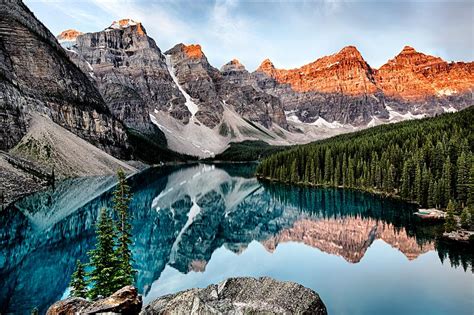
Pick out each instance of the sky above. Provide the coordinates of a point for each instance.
(290, 33)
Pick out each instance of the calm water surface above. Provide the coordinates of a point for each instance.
(200, 224)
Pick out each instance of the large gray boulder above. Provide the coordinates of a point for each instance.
(125, 301)
(241, 296)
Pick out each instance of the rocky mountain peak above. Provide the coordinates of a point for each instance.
(412, 75)
(408, 50)
(69, 35)
(126, 23)
(349, 52)
(233, 65)
(266, 66)
(193, 51)
(410, 57)
(235, 62)
(343, 72)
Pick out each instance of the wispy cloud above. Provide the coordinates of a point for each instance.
(289, 32)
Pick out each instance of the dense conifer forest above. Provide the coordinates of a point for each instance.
(428, 161)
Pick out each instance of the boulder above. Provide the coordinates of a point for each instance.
(241, 296)
(68, 306)
(125, 301)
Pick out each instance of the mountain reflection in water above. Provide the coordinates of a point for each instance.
(183, 215)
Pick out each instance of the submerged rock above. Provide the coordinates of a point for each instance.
(124, 301)
(241, 296)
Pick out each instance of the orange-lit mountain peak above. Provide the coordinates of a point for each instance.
(69, 35)
(193, 51)
(125, 23)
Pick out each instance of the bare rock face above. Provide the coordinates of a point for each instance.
(130, 72)
(68, 306)
(239, 89)
(125, 301)
(198, 78)
(36, 76)
(413, 75)
(344, 72)
(308, 104)
(343, 87)
(241, 296)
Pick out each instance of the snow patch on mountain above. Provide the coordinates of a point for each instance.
(449, 109)
(192, 107)
(321, 122)
(396, 116)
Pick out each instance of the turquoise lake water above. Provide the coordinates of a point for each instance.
(200, 224)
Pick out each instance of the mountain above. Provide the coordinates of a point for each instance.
(130, 72)
(425, 83)
(343, 88)
(36, 76)
(200, 109)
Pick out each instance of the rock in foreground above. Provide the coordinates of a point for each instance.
(124, 301)
(241, 296)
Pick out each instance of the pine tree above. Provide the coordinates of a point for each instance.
(391, 178)
(405, 189)
(466, 218)
(446, 180)
(103, 259)
(121, 200)
(450, 223)
(462, 179)
(78, 282)
(294, 172)
(470, 188)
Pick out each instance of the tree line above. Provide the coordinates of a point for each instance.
(429, 161)
(110, 262)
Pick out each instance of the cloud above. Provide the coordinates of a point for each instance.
(290, 33)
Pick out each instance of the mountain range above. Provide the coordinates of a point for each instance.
(117, 90)
(200, 108)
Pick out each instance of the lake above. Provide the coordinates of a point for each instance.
(199, 224)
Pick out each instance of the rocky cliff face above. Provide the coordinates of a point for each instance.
(344, 88)
(344, 72)
(426, 82)
(36, 76)
(130, 72)
(238, 88)
(200, 109)
(198, 78)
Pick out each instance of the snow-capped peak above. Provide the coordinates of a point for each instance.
(67, 38)
(123, 23)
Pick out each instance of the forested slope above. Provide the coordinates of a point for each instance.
(429, 161)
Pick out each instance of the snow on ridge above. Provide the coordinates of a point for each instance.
(192, 107)
(445, 92)
(372, 122)
(321, 122)
(394, 114)
(449, 109)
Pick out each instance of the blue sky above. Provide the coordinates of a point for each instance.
(290, 33)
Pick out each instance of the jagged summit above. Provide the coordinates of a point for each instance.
(68, 35)
(350, 52)
(235, 62)
(193, 50)
(266, 66)
(233, 65)
(408, 50)
(126, 23)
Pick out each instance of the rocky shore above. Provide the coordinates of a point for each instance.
(233, 296)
